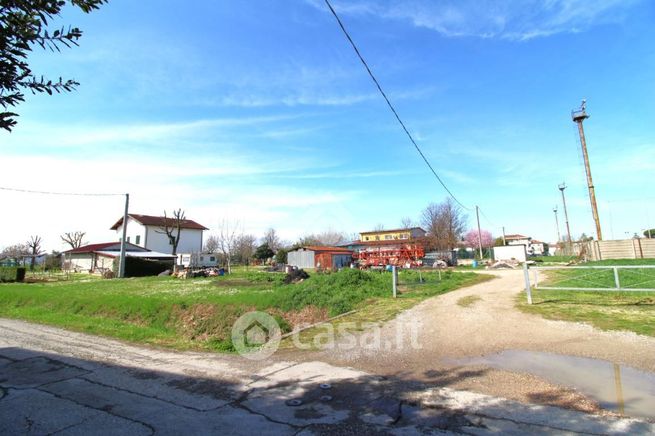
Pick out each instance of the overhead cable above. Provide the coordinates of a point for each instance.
(402, 124)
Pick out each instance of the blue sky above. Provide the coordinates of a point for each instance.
(259, 112)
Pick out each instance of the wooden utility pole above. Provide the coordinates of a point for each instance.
(578, 117)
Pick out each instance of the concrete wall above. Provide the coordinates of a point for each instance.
(510, 252)
(301, 258)
(622, 249)
(190, 241)
(79, 262)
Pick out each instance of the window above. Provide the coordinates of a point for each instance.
(128, 239)
(137, 240)
(377, 238)
(202, 258)
(388, 237)
(366, 238)
(212, 259)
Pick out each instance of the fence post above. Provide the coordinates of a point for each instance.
(394, 274)
(616, 278)
(526, 274)
(534, 275)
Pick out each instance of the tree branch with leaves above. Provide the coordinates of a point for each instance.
(23, 24)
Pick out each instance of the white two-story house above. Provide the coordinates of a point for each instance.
(147, 231)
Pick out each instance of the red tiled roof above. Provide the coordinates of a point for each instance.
(91, 247)
(103, 246)
(159, 221)
(327, 248)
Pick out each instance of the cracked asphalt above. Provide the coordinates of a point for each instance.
(58, 382)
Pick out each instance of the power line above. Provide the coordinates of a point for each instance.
(80, 194)
(377, 84)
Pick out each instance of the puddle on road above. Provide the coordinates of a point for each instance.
(619, 388)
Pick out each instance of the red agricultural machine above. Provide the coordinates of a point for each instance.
(404, 256)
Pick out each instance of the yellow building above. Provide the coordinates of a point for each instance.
(392, 235)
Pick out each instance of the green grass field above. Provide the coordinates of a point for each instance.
(199, 313)
(608, 310)
(552, 259)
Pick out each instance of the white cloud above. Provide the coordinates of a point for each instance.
(153, 132)
(507, 19)
(154, 187)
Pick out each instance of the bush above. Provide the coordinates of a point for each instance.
(12, 274)
(137, 267)
(340, 291)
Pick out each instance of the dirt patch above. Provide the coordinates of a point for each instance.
(306, 316)
(202, 322)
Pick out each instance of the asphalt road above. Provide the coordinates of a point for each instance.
(58, 382)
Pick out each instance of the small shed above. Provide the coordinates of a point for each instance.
(320, 257)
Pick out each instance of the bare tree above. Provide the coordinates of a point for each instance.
(34, 245)
(211, 245)
(244, 248)
(172, 228)
(227, 237)
(406, 223)
(16, 252)
(74, 239)
(445, 223)
(272, 239)
(328, 237)
(378, 227)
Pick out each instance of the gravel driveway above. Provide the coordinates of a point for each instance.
(450, 332)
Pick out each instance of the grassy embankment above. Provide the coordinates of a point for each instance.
(607, 310)
(199, 313)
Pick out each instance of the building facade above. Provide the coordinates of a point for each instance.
(147, 231)
(392, 235)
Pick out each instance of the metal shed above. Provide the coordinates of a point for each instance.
(320, 257)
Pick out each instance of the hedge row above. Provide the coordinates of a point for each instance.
(12, 274)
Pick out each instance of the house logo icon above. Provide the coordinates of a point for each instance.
(256, 335)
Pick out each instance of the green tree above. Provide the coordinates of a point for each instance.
(281, 255)
(23, 24)
(263, 252)
(649, 233)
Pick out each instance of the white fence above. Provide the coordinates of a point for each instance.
(623, 278)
